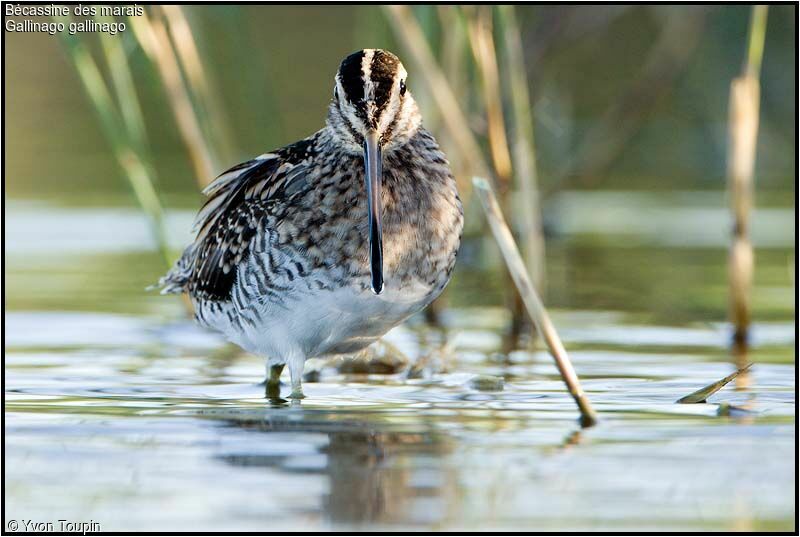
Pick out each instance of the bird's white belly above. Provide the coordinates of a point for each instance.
(337, 321)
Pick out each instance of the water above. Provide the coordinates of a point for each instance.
(121, 411)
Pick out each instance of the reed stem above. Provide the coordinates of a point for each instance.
(454, 66)
(481, 42)
(533, 304)
(127, 150)
(410, 34)
(755, 41)
(124, 87)
(153, 38)
(209, 110)
(524, 148)
(743, 134)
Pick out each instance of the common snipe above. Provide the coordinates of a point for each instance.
(322, 246)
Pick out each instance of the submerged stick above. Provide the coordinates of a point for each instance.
(704, 393)
(533, 304)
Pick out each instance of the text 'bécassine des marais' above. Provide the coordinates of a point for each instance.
(59, 11)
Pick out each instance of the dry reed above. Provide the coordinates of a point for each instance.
(154, 40)
(533, 303)
(209, 109)
(408, 31)
(742, 138)
(523, 148)
(481, 42)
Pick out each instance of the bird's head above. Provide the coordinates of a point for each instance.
(373, 112)
(371, 100)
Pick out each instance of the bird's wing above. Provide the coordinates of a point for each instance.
(238, 201)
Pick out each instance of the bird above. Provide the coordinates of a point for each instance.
(322, 246)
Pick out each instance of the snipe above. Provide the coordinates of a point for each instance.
(322, 246)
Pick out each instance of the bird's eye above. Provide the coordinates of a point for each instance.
(402, 87)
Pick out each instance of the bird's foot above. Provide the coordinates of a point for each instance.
(297, 393)
(273, 384)
(272, 390)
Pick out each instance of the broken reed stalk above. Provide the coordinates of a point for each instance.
(743, 133)
(154, 40)
(122, 136)
(523, 147)
(701, 395)
(533, 304)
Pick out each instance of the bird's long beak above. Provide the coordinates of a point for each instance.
(372, 163)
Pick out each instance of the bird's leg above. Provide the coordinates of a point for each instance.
(296, 364)
(273, 389)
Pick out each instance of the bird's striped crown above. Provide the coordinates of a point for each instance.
(370, 93)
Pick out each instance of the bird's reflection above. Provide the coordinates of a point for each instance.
(377, 472)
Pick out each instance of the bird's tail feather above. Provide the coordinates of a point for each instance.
(177, 279)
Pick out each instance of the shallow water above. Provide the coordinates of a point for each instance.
(121, 411)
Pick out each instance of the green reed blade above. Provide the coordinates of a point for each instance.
(124, 149)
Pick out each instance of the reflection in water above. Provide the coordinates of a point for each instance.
(373, 478)
(573, 439)
(375, 474)
(740, 357)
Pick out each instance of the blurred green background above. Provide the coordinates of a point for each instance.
(649, 83)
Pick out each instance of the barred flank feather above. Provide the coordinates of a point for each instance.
(238, 199)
